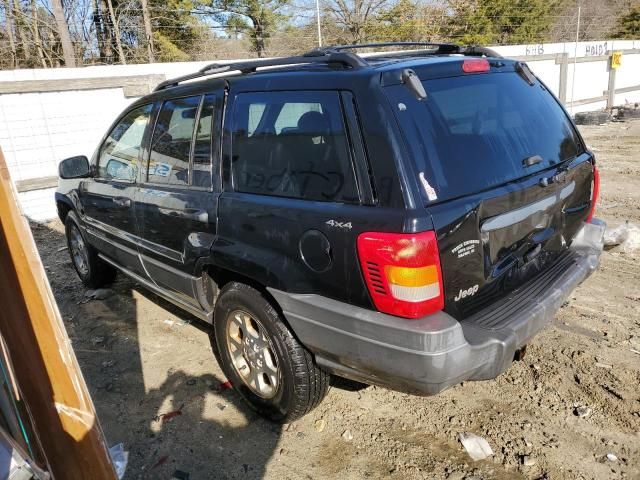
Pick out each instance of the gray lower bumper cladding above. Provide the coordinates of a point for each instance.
(430, 354)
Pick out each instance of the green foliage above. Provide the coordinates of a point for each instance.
(407, 21)
(399, 23)
(629, 25)
(176, 29)
(501, 21)
(167, 51)
(257, 18)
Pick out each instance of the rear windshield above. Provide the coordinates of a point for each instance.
(474, 132)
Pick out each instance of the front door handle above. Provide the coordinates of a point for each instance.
(195, 214)
(122, 202)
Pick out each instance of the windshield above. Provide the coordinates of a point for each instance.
(473, 132)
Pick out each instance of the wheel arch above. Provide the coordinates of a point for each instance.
(218, 277)
(63, 205)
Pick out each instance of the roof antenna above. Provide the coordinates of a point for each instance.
(411, 80)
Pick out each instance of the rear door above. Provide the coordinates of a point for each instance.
(291, 194)
(176, 205)
(503, 174)
(107, 199)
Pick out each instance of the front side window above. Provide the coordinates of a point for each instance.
(171, 141)
(292, 144)
(118, 158)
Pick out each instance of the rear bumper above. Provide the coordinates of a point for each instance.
(430, 354)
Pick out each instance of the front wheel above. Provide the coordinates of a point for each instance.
(92, 270)
(263, 360)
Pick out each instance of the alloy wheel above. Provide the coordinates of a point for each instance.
(252, 354)
(79, 253)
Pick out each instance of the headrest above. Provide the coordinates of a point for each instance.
(313, 122)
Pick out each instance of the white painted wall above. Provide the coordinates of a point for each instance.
(37, 130)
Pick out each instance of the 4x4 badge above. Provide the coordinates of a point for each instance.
(335, 224)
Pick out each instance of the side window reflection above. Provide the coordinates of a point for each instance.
(118, 158)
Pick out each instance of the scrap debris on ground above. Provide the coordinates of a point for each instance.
(570, 409)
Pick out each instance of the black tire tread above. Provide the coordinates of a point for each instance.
(100, 272)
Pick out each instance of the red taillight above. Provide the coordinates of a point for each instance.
(476, 65)
(595, 192)
(402, 272)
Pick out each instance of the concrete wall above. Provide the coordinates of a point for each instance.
(64, 112)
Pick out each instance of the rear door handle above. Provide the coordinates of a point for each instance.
(187, 214)
(122, 202)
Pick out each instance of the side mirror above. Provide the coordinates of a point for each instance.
(74, 167)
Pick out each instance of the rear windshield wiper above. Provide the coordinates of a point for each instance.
(413, 83)
(523, 70)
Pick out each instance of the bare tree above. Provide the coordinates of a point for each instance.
(355, 16)
(35, 32)
(21, 31)
(63, 32)
(104, 45)
(257, 18)
(597, 19)
(116, 33)
(147, 30)
(9, 28)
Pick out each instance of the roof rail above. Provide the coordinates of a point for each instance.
(346, 59)
(441, 48)
(435, 49)
(477, 50)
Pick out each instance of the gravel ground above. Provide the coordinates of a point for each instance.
(143, 358)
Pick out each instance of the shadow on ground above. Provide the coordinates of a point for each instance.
(154, 379)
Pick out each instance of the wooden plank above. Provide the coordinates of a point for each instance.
(139, 84)
(536, 58)
(587, 101)
(45, 367)
(36, 184)
(628, 89)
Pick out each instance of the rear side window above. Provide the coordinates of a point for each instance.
(201, 176)
(171, 142)
(292, 144)
(474, 132)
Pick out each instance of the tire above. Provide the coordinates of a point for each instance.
(287, 392)
(92, 270)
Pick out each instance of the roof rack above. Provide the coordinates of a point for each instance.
(441, 48)
(430, 48)
(345, 59)
(479, 51)
(331, 55)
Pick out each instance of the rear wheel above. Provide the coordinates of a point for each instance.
(265, 363)
(92, 270)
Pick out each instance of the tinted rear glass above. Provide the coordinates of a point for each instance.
(473, 132)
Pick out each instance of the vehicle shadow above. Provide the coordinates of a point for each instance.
(154, 379)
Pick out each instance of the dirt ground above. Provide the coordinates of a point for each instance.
(142, 358)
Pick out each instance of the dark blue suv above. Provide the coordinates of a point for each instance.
(408, 219)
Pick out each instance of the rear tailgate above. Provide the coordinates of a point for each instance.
(503, 173)
(490, 243)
